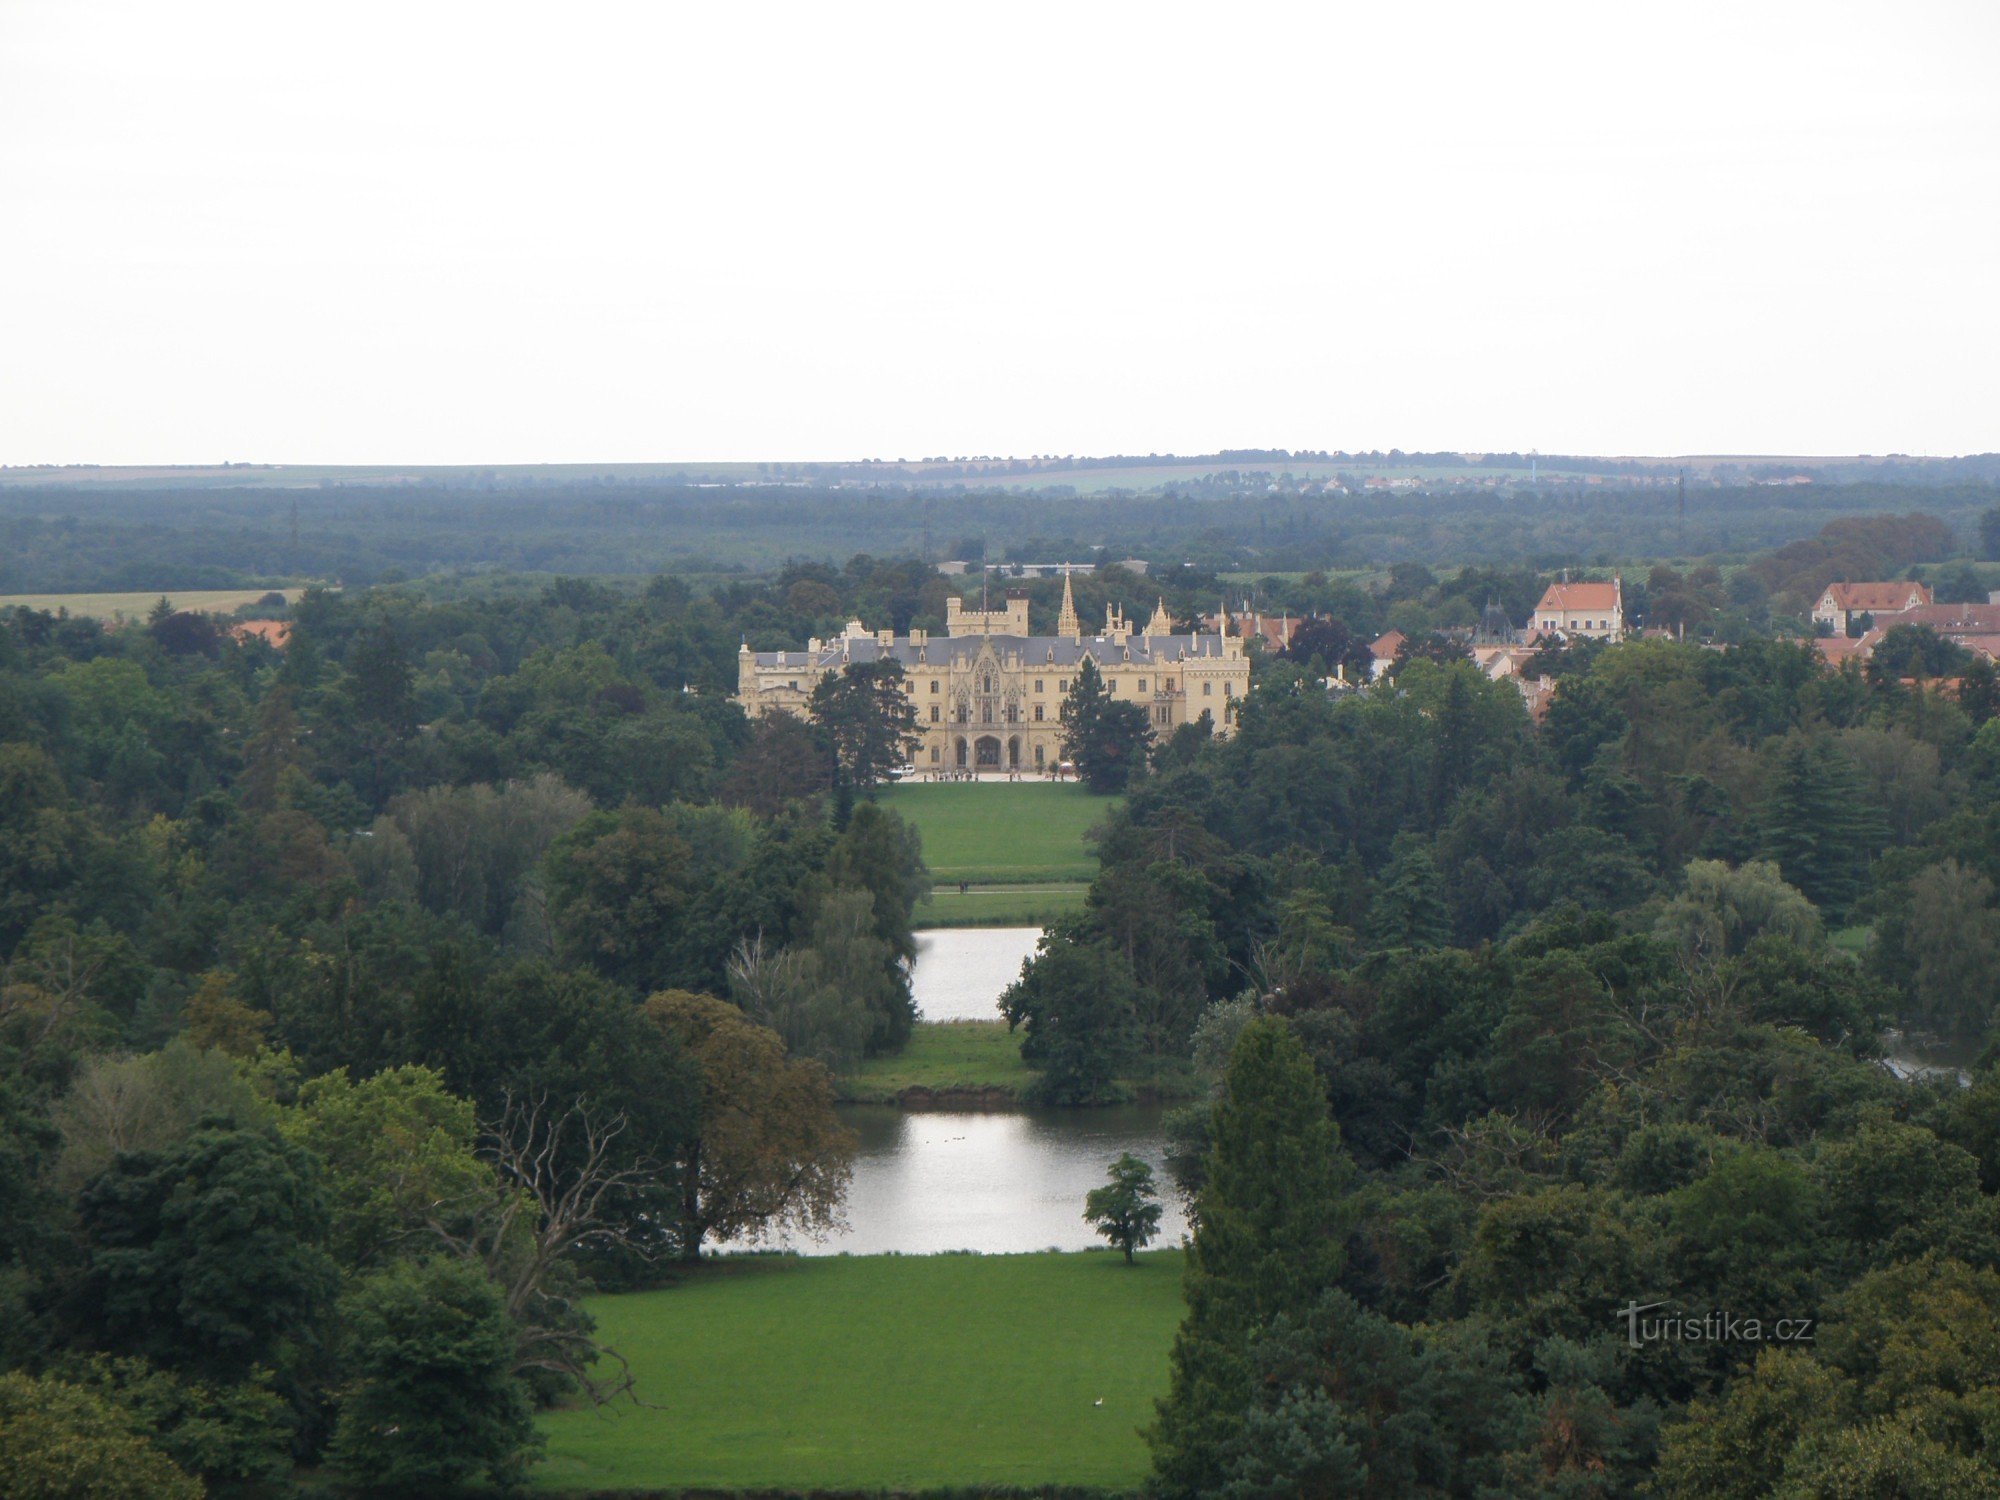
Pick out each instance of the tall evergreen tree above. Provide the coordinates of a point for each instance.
(1408, 910)
(1104, 737)
(1819, 824)
(1270, 1222)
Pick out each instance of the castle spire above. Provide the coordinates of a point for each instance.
(1067, 622)
(1162, 623)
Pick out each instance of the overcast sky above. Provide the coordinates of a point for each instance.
(485, 232)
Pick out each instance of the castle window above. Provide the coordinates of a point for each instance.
(1142, 684)
(1012, 713)
(986, 713)
(934, 713)
(934, 755)
(1038, 713)
(1208, 690)
(1038, 684)
(1063, 686)
(793, 684)
(986, 682)
(934, 684)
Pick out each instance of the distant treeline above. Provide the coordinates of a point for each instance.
(55, 538)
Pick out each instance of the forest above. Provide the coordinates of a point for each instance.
(366, 1004)
(70, 538)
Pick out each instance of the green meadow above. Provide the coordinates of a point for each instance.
(1000, 905)
(943, 1057)
(900, 1373)
(1003, 833)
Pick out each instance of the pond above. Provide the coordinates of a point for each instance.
(998, 1181)
(960, 971)
(994, 1181)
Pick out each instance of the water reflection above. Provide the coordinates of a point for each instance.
(996, 1182)
(960, 971)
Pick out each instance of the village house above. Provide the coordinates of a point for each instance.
(989, 695)
(1590, 610)
(1385, 648)
(1842, 603)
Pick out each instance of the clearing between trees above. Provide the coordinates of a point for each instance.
(891, 1372)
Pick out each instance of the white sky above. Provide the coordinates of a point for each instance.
(286, 230)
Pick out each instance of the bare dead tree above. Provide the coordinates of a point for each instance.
(558, 1189)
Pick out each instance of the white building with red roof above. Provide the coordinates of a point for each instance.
(1843, 601)
(1594, 610)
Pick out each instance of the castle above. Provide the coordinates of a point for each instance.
(989, 695)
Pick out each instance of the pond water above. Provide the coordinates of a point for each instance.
(996, 1181)
(960, 971)
(1910, 1058)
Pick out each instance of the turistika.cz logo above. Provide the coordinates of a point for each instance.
(1645, 1324)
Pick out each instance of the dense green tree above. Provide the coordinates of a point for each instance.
(209, 1256)
(60, 1442)
(1104, 737)
(1269, 1228)
(867, 719)
(399, 1154)
(1408, 910)
(430, 1399)
(1077, 1003)
(1126, 1210)
(1816, 822)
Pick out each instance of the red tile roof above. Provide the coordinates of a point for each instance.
(1579, 596)
(1388, 644)
(1954, 619)
(1877, 596)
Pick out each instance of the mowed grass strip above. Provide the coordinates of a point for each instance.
(892, 1372)
(943, 1057)
(1005, 833)
(1000, 905)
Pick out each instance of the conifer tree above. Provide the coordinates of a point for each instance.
(1408, 910)
(1819, 824)
(1267, 1243)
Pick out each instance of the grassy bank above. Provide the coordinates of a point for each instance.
(890, 1372)
(1001, 905)
(944, 1058)
(1005, 833)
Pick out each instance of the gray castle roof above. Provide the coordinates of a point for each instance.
(1033, 650)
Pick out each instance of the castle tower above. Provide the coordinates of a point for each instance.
(1162, 623)
(1067, 623)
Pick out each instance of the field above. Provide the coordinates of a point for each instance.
(890, 1372)
(1003, 833)
(136, 606)
(943, 1057)
(1000, 905)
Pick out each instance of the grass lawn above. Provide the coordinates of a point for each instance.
(1852, 940)
(897, 1372)
(1005, 833)
(136, 606)
(943, 1055)
(1000, 905)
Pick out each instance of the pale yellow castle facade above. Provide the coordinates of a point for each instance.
(989, 695)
